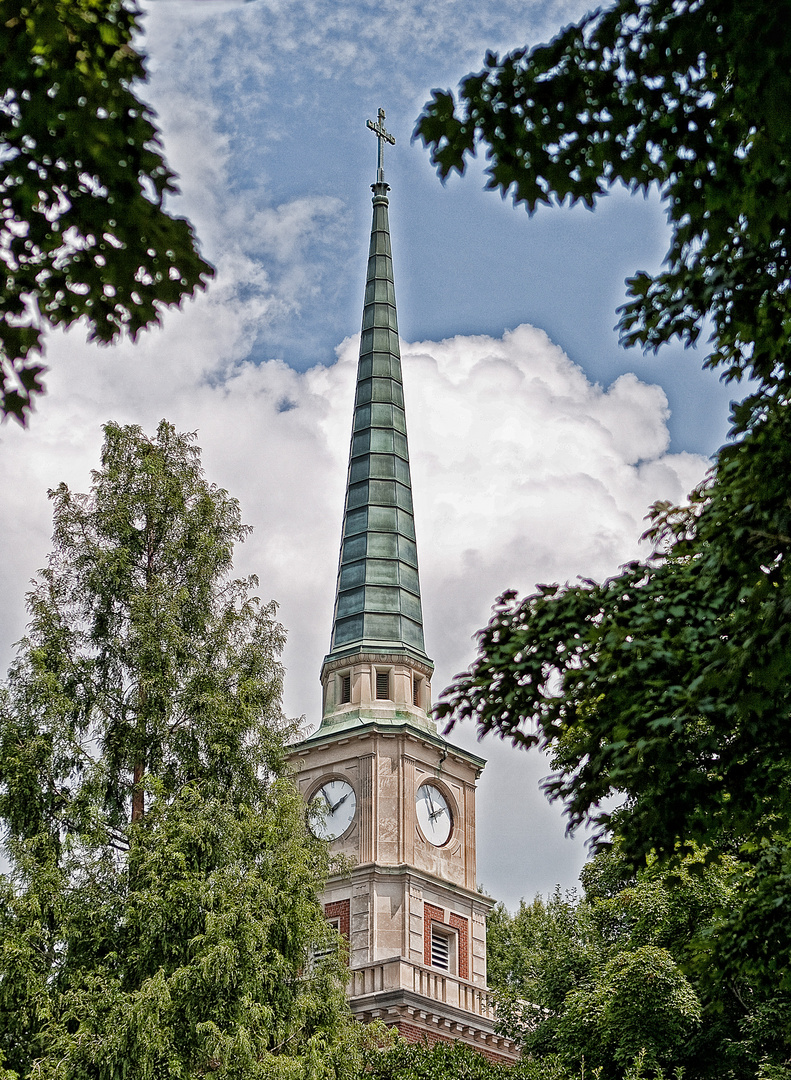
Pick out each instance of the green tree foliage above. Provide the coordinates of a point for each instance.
(641, 1004)
(84, 233)
(161, 906)
(543, 952)
(454, 1061)
(618, 980)
(666, 686)
(693, 97)
(673, 673)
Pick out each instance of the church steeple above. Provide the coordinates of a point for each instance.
(377, 601)
(388, 793)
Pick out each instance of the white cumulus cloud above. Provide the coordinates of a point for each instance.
(523, 471)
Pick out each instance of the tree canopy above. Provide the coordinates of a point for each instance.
(617, 979)
(665, 690)
(455, 1061)
(84, 229)
(161, 906)
(690, 96)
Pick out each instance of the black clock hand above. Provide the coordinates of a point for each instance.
(340, 802)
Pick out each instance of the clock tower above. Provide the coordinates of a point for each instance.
(395, 797)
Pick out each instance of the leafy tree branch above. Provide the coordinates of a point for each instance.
(84, 229)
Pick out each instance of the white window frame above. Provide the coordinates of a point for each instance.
(450, 942)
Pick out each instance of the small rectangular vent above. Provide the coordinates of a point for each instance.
(346, 689)
(416, 692)
(440, 949)
(382, 685)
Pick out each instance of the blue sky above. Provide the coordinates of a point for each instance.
(293, 84)
(537, 443)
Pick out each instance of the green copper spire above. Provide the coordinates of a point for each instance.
(377, 602)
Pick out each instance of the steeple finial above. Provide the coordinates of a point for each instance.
(382, 136)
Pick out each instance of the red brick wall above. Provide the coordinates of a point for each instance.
(430, 914)
(455, 922)
(339, 909)
(462, 928)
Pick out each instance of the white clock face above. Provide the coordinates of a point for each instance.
(433, 814)
(337, 803)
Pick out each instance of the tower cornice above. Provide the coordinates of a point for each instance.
(355, 726)
(377, 655)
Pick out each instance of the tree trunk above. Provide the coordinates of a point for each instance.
(138, 795)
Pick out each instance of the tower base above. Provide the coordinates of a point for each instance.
(428, 1007)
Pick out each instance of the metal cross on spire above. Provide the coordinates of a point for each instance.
(382, 136)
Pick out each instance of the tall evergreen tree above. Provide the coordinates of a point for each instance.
(161, 904)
